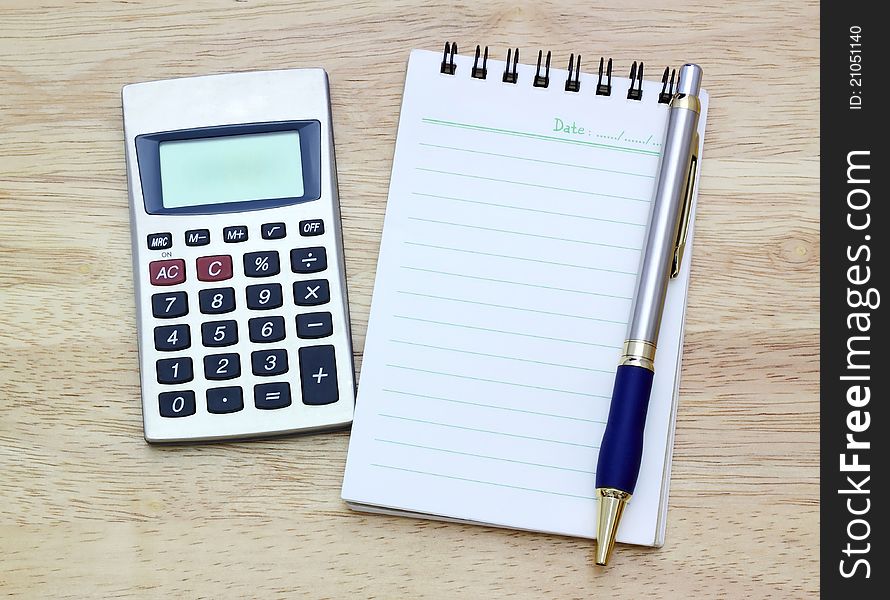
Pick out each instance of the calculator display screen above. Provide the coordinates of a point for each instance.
(233, 168)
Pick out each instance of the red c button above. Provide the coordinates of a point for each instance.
(214, 268)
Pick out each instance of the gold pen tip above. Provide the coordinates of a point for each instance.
(610, 506)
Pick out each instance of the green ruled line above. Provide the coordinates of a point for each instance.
(539, 337)
(492, 432)
(511, 383)
(534, 210)
(520, 283)
(539, 136)
(494, 406)
(534, 185)
(534, 260)
(534, 235)
(528, 360)
(503, 485)
(498, 458)
(537, 160)
(531, 310)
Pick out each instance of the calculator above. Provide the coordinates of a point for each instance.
(242, 313)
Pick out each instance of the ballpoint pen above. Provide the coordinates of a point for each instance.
(622, 447)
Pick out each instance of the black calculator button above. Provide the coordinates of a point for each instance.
(217, 300)
(273, 231)
(222, 366)
(176, 404)
(266, 329)
(308, 260)
(268, 396)
(160, 241)
(318, 375)
(314, 325)
(261, 264)
(269, 362)
(197, 237)
(172, 337)
(264, 296)
(236, 234)
(312, 292)
(224, 400)
(174, 370)
(169, 305)
(219, 333)
(312, 227)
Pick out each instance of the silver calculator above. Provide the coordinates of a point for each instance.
(241, 304)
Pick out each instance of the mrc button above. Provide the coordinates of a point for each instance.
(160, 241)
(166, 272)
(312, 227)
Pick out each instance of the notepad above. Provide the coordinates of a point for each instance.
(510, 249)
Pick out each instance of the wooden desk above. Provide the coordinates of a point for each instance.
(88, 509)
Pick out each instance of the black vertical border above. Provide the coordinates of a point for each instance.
(844, 130)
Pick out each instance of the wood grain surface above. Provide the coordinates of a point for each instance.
(89, 510)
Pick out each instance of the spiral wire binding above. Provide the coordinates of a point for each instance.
(604, 89)
(574, 85)
(448, 66)
(542, 81)
(635, 91)
(667, 91)
(480, 73)
(573, 81)
(511, 76)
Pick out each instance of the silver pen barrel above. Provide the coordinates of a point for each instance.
(664, 223)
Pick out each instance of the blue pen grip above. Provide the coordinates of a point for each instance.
(622, 446)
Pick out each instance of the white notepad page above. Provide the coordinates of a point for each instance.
(504, 283)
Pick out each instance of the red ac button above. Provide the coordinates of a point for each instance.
(166, 272)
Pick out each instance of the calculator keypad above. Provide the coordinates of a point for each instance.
(264, 296)
(264, 330)
(166, 272)
(308, 260)
(177, 404)
(216, 334)
(214, 268)
(266, 363)
(224, 400)
(172, 337)
(216, 301)
(312, 292)
(314, 325)
(318, 374)
(218, 367)
(269, 396)
(275, 339)
(170, 305)
(261, 264)
(174, 370)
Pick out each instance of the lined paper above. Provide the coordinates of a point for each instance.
(509, 256)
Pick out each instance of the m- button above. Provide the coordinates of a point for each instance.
(214, 268)
(166, 272)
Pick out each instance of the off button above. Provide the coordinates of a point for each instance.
(312, 227)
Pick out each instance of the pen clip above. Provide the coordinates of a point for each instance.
(686, 209)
